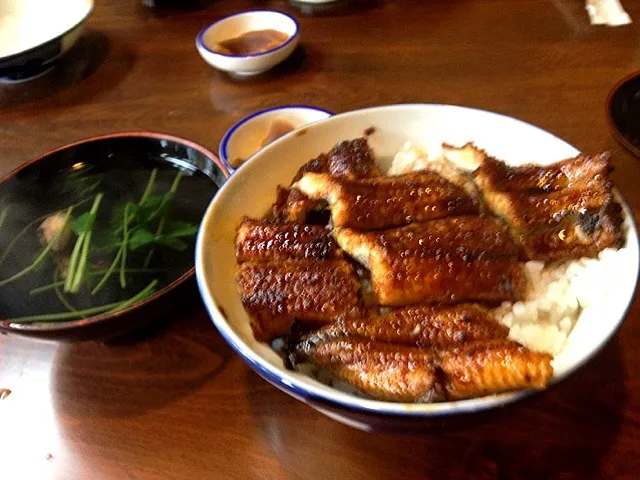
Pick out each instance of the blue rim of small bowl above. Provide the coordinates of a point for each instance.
(201, 44)
(222, 150)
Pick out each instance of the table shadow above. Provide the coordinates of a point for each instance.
(298, 62)
(92, 66)
(138, 372)
(564, 432)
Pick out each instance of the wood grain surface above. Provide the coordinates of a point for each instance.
(174, 402)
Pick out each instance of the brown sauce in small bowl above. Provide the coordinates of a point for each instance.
(251, 43)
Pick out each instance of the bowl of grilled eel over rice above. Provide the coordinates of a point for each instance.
(400, 263)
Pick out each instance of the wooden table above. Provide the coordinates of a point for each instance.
(175, 402)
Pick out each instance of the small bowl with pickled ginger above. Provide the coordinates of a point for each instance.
(259, 129)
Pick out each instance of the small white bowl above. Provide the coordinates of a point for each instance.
(238, 24)
(34, 33)
(245, 137)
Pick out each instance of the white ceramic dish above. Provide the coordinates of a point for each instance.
(245, 137)
(33, 33)
(234, 26)
(250, 191)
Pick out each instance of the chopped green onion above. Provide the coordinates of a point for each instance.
(148, 290)
(167, 197)
(147, 191)
(147, 260)
(125, 240)
(3, 215)
(149, 188)
(60, 295)
(111, 307)
(108, 274)
(78, 261)
(98, 273)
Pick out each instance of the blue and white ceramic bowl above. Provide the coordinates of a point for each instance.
(251, 190)
(238, 24)
(34, 33)
(245, 138)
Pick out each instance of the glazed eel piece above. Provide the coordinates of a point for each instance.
(448, 260)
(562, 211)
(260, 240)
(408, 374)
(421, 326)
(312, 291)
(384, 202)
(292, 206)
(347, 159)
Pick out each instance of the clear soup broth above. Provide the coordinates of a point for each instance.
(79, 238)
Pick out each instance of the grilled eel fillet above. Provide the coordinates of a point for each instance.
(422, 326)
(260, 240)
(408, 374)
(558, 212)
(449, 260)
(348, 159)
(293, 206)
(313, 291)
(496, 175)
(383, 202)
